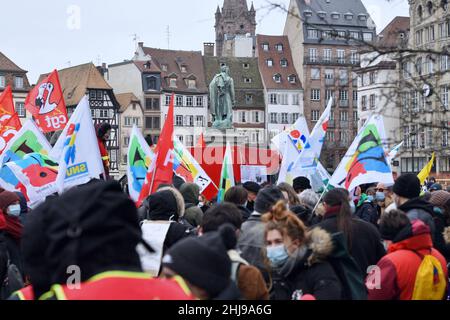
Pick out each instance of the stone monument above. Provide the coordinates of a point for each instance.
(222, 99)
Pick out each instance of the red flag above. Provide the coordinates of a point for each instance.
(46, 104)
(201, 142)
(162, 171)
(9, 119)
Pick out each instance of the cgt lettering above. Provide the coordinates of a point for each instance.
(56, 122)
(77, 170)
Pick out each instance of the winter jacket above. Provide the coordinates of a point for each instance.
(438, 237)
(245, 213)
(193, 214)
(365, 244)
(399, 267)
(418, 208)
(368, 212)
(105, 156)
(308, 272)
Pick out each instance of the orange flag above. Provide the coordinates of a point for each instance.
(9, 119)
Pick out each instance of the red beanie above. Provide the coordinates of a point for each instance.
(7, 198)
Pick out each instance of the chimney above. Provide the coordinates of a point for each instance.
(208, 49)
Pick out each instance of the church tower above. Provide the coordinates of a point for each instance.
(234, 19)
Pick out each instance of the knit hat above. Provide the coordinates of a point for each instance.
(267, 198)
(436, 187)
(203, 261)
(439, 198)
(301, 183)
(252, 187)
(7, 198)
(407, 186)
(165, 204)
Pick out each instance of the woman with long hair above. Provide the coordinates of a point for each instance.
(298, 258)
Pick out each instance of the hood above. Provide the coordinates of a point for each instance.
(415, 236)
(166, 204)
(417, 203)
(190, 192)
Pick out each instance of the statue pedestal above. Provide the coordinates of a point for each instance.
(216, 137)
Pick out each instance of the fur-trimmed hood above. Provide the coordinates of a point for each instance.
(447, 235)
(165, 204)
(320, 244)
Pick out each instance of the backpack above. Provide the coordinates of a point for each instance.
(430, 283)
(347, 270)
(12, 281)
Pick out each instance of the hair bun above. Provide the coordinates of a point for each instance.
(228, 234)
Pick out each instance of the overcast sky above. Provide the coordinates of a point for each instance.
(50, 34)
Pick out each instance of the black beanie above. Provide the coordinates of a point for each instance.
(203, 261)
(407, 186)
(267, 198)
(301, 183)
(252, 187)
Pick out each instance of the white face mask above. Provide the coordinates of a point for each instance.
(14, 210)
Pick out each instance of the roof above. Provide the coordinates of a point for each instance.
(7, 65)
(174, 60)
(327, 7)
(239, 73)
(126, 99)
(75, 81)
(267, 72)
(147, 66)
(390, 36)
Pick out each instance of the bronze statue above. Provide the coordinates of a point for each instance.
(222, 99)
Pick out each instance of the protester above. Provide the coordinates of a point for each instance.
(384, 196)
(252, 189)
(441, 202)
(363, 239)
(303, 213)
(301, 184)
(204, 264)
(289, 194)
(193, 214)
(103, 134)
(238, 196)
(309, 198)
(366, 209)
(248, 278)
(298, 258)
(93, 229)
(435, 187)
(204, 204)
(251, 242)
(401, 274)
(407, 199)
(431, 181)
(23, 207)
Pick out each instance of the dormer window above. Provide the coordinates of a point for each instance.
(265, 46)
(335, 15)
(362, 17)
(164, 67)
(307, 13)
(348, 16)
(269, 62)
(246, 66)
(147, 65)
(173, 82)
(192, 84)
(284, 63)
(322, 14)
(277, 78)
(279, 47)
(183, 69)
(247, 80)
(292, 79)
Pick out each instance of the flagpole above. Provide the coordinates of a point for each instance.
(321, 196)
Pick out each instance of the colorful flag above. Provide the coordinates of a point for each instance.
(34, 176)
(162, 171)
(140, 157)
(28, 140)
(186, 167)
(227, 175)
(77, 150)
(425, 173)
(46, 103)
(9, 119)
(365, 160)
(394, 151)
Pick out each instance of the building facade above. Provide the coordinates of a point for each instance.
(326, 37)
(14, 76)
(233, 23)
(282, 85)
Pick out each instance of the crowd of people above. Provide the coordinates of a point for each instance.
(270, 242)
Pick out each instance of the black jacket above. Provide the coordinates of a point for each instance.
(368, 212)
(245, 213)
(365, 245)
(418, 208)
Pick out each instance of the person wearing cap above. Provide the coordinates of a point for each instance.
(435, 187)
(94, 230)
(407, 190)
(204, 264)
(441, 202)
(252, 190)
(396, 275)
(251, 242)
(301, 184)
(384, 196)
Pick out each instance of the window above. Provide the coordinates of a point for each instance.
(284, 118)
(269, 62)
(243, 116)
(164, 67)
(444, 97)
(103, 113)
(419, 66)
(343, 116)
(335, 15)
(151, 83)
(313, 34)
(343, 136)
(18, 82)
(179, 101)
(246, 66)
(265, 46)
(192, 84)
(295, 100)
(256, 117)
(329, 74)
(248, 98)
(284, 63)
(277, 78)
(327, 34)
(415, 101)
(406, 69)
(419, 37)
(330, 136)
(355, 96)
(179, 121)
(348, 16)
(152, 103)
(273, 118)
(372, 77)
(189, 101)
(152, 123)
(367, 36)
(430, 65)
(431, 35)
(329, 94)
(315, 115)
(167, 100)
(284, 99)
(372, 101)
(341, 34)
(422, 141)
(429, 8)
(126, 141)
(355, 117)
(20, 109)
(364, 103)
(181, 138)
(279, 47)
(444, 63)
(128, 121)
(341, 56)
(445, 136)
(183, 69)
(442, 31)
(315, 94)
(327, 55)
(2, 81)
(173, 82)
(199, 101)
(248, 80)
(273, 98)
(199, 121)
(354, 57)
(189, 141)
(312, 55)
(292, 79)
(354, 35)
(315, 73)
(295, 117)
(343, 95)
(405, 102)
(190, 121)
(430, 137)
(343, 77)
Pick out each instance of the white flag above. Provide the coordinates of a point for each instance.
(77, 150)
(394, 152)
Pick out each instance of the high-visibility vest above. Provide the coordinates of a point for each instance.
(123, 285)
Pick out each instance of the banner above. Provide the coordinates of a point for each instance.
(46, 103)
(425, 173)
(140, 157)
(28, 140)
(77, 150)
(227, 175)
(9, 119)
(365, 160)
(256, 174)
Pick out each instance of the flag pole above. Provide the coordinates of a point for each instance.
(321, 196)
